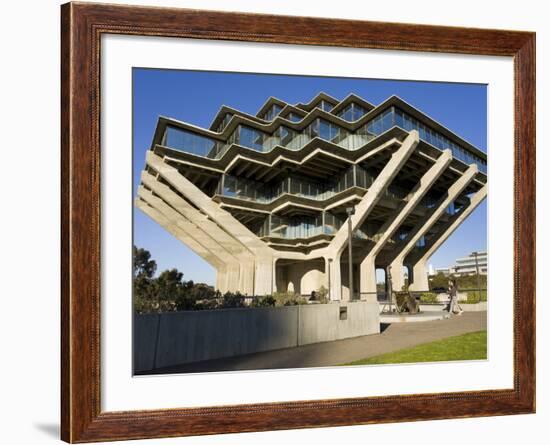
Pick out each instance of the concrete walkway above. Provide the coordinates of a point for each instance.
(394, 337)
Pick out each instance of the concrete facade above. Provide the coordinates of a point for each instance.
(264, 198)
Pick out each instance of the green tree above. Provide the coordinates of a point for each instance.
(169, 286)
(144, 286)
(144, 266)
(439, 280)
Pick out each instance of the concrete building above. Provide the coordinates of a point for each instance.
(467, 265)
(265, 198)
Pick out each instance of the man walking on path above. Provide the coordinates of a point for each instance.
(454, 307)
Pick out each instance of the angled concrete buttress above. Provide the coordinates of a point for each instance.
(188, 240)
(365, 206)
(232, 266)
(264, 281)
(367, 268)
(244, 256)
(424, 225)
(420, 273)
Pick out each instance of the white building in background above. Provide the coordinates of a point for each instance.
(467, 265)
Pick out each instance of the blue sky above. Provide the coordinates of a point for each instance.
(195, 97)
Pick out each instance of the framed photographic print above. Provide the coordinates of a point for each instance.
(277, 222)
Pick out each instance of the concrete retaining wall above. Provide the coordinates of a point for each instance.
(174, 338)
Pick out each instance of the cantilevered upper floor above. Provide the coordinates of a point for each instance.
(289, 173)
(349, 124)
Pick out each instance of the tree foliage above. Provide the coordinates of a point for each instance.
(144, 266)
(170, 292)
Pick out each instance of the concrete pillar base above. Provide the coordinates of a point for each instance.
(397, 276)
(420, 277)
(367, 279)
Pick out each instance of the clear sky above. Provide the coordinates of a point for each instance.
(195, 97)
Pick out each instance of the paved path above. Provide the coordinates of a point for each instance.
(394, 337)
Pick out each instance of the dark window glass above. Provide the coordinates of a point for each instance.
(189, 142)
(357, 112)
(250, 138)
(399, 118)
(324, 105)
(273, 112)
(387, 120)
(294, 117)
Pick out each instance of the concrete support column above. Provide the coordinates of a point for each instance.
(246, 277)
(419, 277)
(333, 268)
(397, 275)
(420, 262)
(367, 279)
(365, 206)
(263, 254)
(375, 192)
(243, 281)
(425, 225)
(221, 279)
(367, 272)
(274, 274)
(263, 280)
(189, 241)
(231, 263)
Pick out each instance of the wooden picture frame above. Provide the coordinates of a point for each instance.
(82, 26)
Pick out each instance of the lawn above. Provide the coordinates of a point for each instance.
(472, 346)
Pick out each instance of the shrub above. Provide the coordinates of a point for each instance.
(232, 300)
(265, 301)
(428, 297)
(322, 295)
(473, 297)
(288, 299)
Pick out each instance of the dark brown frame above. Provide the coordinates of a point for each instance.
(81, 28)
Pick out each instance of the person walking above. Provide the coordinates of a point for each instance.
(454, 307)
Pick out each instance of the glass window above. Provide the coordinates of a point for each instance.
(398, 117)
(294, 117)
(350, 178)
(324, 105)
(295, 186)
(187, 141)
(326, 130)
(273, 112)
(407, 124)
(422, 131)
(224, 122)
(352, 112)
(358, 112)
(248, 137)
(377, 125)
(395, 116)
(229, 186)
(345, 113)
(387, 119)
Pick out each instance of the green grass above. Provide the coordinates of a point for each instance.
(472, 346)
